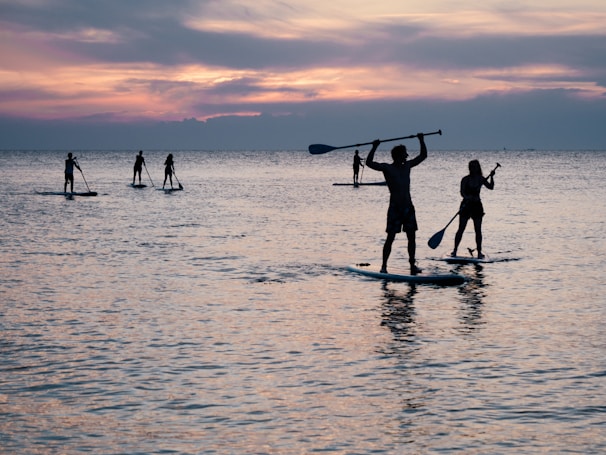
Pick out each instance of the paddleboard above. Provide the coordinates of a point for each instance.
(169, 190)
(137, 185)
(464, 259)
(446, 279)
(61, 193)
(361, 184)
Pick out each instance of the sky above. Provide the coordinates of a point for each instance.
(268, 74)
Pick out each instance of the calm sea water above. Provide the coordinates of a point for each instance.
(220, 319)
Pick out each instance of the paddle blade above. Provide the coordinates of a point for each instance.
(435, 239)
(318, 149)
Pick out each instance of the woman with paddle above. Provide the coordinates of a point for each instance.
(169, 168)
(401, 212)
(471, 205)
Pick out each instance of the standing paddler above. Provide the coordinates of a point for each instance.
(401, 212)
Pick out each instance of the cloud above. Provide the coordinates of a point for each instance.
(542, 119)
(236, 64)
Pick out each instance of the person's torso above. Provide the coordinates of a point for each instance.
(69, 166)
(397, 177)
(472, 185)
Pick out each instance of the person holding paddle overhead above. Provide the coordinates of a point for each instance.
(139, 163)
(471, 205)
(357, 162)
(401, 212)
(69, 172)
(169, 168)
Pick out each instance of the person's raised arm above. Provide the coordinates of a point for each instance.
(423, 153)
(370, 158)
(489, 181)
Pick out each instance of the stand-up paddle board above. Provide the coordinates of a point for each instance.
(169, 190)
(137, 185)
(465, 259)
(446, 279)
(361, 184)
(61, 193)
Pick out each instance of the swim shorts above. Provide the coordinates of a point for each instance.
(401, 218)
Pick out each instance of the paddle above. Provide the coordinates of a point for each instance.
(150, 179)
(79, 168)
(318, 149)
(362, 174)
(175, 174)
(435, 239)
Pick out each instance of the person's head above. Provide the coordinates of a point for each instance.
(475, 168)
(357, 152)
(399, 153)
(69, 155)
(140, 152)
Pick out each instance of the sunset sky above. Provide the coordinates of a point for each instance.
(222, 74)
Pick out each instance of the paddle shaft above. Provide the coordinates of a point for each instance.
(150, 179)
(83, 178)
(177, 179)
(316, 149)
(411, 136)
(494, 170)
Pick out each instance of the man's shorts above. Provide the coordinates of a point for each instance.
(401, 219)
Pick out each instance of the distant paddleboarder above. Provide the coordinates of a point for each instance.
(69, 172)
(401, 212)
(139, 163)
(471, 205)
(357, 162)
(169, 168)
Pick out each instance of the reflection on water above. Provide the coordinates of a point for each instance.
(472, 294)
(398, 311)
(219, 319)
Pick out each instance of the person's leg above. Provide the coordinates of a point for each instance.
(477, 225)
(387, 250)
(459, 235)
(412, 248)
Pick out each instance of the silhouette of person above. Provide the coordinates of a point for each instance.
(69, 172)
(471, 205)
(357, 162)
(139, 162)
(169, 168)
(401, 212)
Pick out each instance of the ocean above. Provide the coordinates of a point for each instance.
(221, 320)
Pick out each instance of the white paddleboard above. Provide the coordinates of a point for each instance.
(446, 279)
(465, 259)
(361, 184)
(61, 193)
